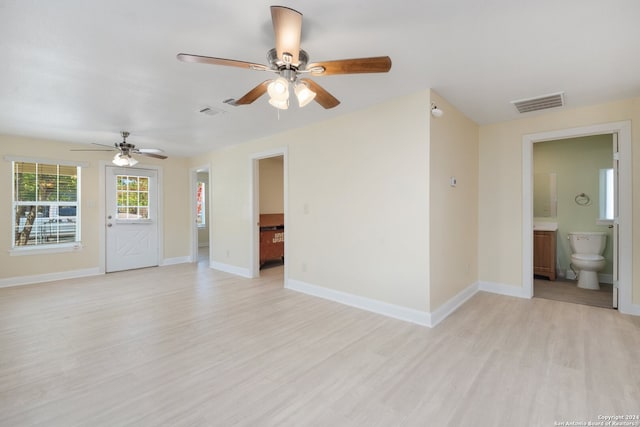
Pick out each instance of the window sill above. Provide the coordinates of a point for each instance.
(40, 250)
(604, 222)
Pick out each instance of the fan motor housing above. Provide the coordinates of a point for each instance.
(278, 64)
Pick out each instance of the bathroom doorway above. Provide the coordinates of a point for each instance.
(270, 234)
(620, 242)
(200, 208)
(573, 192)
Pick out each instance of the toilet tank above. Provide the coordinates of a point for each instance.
(587, 242)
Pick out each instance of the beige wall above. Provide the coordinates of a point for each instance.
(176, 218)
(359, 226)
(453, 236)
(500, 207)
(271, 185)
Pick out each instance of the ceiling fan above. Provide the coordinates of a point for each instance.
(290, 62)
(125, 150)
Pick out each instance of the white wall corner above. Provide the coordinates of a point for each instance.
(231, 269)
(411, 315)
(175, 260)
(446, 309)
(502, 289)
(49, 277)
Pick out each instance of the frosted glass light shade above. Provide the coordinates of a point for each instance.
(120, 160)
(282, 105)
(304, 94)
(279, 89)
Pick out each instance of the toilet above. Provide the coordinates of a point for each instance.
(587, 249)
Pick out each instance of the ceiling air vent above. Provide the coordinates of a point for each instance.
(540, 103)
(210, 111)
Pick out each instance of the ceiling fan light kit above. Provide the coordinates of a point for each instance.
(124, 160)
(289, 61)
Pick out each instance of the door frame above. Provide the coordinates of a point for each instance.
(625, 194)
(102, 211)
(193, 182)
(254, 203)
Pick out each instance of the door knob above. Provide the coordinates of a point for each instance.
(109, 225)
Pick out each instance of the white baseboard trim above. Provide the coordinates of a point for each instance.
(175, 260)
(453, 304)
(48, 277)
(386, 309)
(231, 269)
(502, 289)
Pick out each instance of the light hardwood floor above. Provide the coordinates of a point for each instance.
(184, 345)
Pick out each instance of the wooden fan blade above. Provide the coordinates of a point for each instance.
(377, 64)
(287, 26)
(154, 155)
(185, 57)
(323, 97)
(253, 94)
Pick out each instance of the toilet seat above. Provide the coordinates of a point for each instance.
(587, 257)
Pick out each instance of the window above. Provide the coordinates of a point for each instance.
(133, 197)
(45, 205)
(606, 195)
(200, 205)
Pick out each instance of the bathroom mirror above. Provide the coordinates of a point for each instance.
(545, 195)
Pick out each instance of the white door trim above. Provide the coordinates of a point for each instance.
(102, 212)
(193, 182)
(254, 203)
(623, 129)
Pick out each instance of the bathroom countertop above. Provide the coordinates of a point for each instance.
(545, 226)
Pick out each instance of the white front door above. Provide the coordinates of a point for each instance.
(131, 222)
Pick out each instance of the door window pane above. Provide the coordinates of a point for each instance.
(132, 197)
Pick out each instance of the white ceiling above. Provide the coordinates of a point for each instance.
(81, 71)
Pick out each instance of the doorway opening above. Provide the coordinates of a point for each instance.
(200, 214)
(568, 190)
(622, 223)
(269, 213)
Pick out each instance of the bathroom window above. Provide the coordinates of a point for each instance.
(606, 196)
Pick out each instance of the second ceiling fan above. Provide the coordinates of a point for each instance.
(290, 62)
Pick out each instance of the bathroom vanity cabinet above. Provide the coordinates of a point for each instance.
(544, 254)
(271, 238)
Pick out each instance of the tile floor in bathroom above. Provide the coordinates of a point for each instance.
(567, 291)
